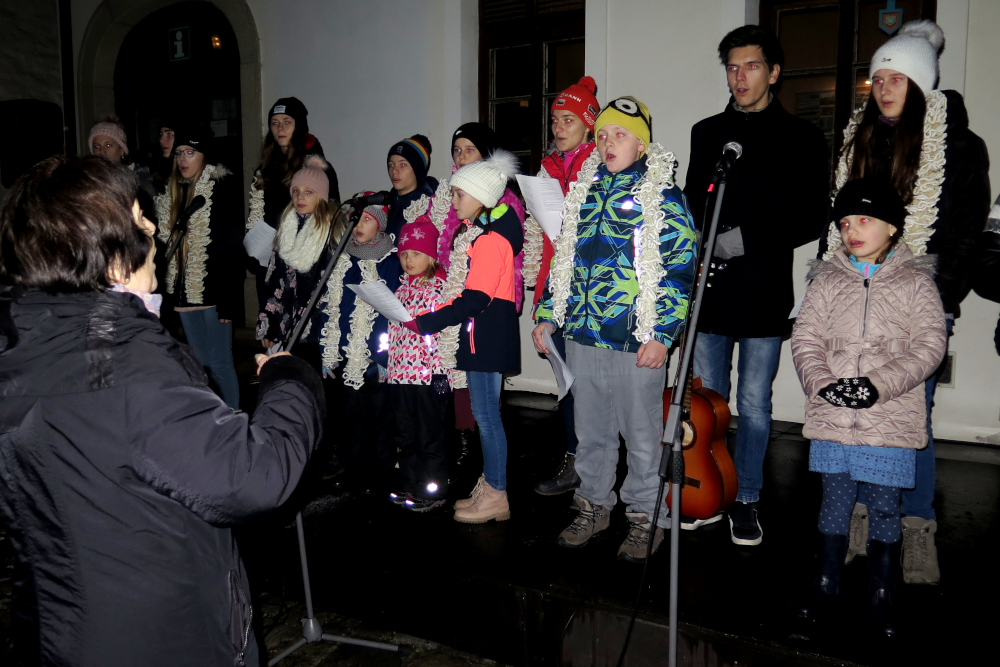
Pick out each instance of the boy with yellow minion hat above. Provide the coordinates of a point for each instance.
(619, 285)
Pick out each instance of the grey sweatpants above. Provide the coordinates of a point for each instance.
(612, 396)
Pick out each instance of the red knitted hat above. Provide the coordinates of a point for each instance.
(580, 98)
(420, 235)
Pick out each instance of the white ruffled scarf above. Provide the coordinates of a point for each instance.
(923, 208)
(648, 192)
(198, 236)
(362, 322)
(300, 248)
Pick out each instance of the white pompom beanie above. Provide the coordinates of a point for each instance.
(486, 180)
(913, 52)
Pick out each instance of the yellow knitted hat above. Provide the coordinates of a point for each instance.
(629, 113)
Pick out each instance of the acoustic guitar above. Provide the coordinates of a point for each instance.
(709, 474)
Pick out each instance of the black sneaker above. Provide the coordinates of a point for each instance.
(418, 504)
(744, 525)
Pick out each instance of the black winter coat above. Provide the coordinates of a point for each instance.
(777, 195)
(122, 473)
(963, 206)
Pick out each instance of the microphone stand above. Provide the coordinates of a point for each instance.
(672, 431)
(312, 631)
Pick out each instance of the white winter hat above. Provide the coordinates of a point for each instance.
(913, 52)
(486, 180)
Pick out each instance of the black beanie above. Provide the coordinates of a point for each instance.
(417, 151)
(871, 196)
(481, 135)
(198, 137)
(291, 106)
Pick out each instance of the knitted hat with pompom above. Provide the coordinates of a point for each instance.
(312, 175)
(486, 180)
(913, 52)
(581, 99)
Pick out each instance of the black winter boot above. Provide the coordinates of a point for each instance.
(882, 559)
(832, 549)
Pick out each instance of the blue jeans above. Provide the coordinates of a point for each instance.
(758, 364)
(213, 345)
(919, 500)
(484, 390)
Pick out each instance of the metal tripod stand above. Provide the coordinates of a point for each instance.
(312, 631)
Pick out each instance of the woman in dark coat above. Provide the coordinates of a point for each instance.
(122, 472)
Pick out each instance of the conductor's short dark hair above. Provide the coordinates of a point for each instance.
(753, 35)
(67, 223)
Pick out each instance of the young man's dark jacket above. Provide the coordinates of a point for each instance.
(121, 475)
(777, 195)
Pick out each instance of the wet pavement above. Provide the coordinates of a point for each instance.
(507, 593)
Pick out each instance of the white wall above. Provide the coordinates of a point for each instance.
(372, 73)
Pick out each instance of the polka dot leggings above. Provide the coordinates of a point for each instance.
(840, 492)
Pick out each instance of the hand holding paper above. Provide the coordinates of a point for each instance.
(259, 242)
(564, 377)
(382, 300)
(544, 200)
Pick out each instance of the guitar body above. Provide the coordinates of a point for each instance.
(710, 475)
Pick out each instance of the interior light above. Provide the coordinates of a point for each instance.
(868, 82)
(216, 42)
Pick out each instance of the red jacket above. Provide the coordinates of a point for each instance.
(553, 164)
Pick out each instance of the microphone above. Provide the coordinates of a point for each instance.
(731, 152)
(379, 198)
(180, 227)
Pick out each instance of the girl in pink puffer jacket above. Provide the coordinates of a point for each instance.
(870, 332)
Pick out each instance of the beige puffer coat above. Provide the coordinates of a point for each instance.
(889, 328)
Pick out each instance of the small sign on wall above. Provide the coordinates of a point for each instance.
(179, 42)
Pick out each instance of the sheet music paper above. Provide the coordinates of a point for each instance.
(796, 308)
(544, 200)
(564, 377)
(259, 242)
(383, 300)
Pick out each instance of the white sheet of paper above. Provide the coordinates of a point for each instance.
(544, 200)
(382, 300)
(795, 309)
(564, 377)
(259, 242)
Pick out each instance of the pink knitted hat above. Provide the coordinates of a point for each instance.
(108, 129)
(312, 175)
(420, 235)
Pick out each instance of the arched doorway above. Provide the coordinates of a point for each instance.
(181, 64)
(102, 41)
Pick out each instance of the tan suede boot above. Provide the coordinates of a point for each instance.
(589, 521)
(487, 505)
(857, 545)
(633, 549)
(920, 559)
(467, 502)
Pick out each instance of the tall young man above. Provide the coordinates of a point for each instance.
(775, 201)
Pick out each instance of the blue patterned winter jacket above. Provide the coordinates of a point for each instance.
(602, 306)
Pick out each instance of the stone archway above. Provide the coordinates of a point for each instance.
(104, 35)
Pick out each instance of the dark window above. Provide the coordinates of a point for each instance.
(529, 51)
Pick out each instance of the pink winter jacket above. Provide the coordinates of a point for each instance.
(889, 328)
